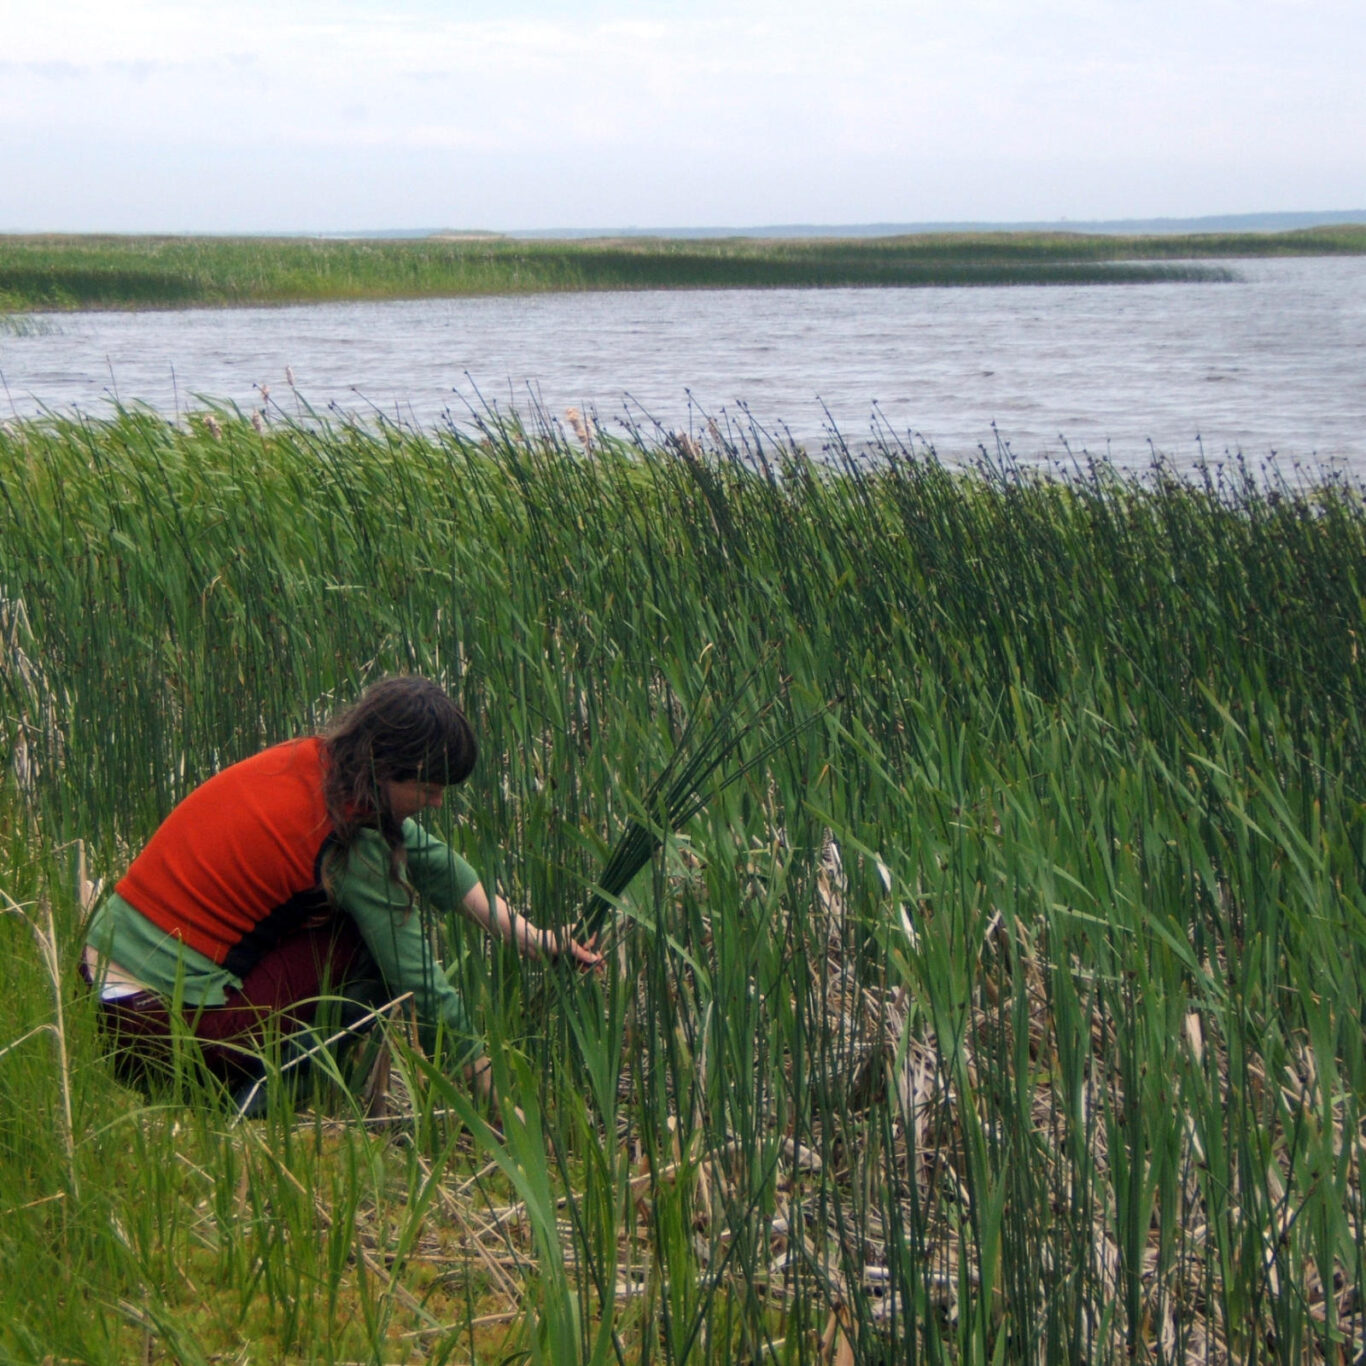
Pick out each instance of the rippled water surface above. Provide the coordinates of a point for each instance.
(1270, 362)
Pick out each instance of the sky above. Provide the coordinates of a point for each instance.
(500, 115)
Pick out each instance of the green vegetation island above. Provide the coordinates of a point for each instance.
(111, 272)
(1007, 1007)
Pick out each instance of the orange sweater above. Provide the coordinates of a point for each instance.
(238, 864)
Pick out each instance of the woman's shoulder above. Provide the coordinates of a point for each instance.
(289, 758)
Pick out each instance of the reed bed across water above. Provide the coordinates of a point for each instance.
(1012, 1013)
(65, 272)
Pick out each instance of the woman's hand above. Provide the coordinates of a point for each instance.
(584, 956)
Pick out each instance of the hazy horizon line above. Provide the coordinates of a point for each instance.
(1287, 221)
(1226, 222)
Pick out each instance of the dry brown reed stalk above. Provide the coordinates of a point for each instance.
(579, 426)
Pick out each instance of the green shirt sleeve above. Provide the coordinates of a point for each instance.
(395, 932)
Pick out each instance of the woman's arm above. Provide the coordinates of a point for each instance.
(393, 931)
(439, 873)
(529, 940)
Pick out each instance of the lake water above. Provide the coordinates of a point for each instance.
(1274, 361)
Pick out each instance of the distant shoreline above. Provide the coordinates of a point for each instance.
(1122, 227)
(61, 273)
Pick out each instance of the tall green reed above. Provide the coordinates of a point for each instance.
(1011, 1013)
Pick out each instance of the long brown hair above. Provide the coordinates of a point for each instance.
(400, 729)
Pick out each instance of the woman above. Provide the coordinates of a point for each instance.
(291, 876)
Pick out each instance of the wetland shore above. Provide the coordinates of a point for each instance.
(55, 272)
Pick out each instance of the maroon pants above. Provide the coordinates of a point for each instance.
(279, 995)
